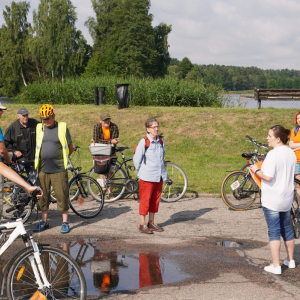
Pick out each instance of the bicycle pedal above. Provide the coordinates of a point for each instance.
(2, 237)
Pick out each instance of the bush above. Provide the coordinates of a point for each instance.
(144, 92)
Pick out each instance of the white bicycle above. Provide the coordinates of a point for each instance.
(39, 270)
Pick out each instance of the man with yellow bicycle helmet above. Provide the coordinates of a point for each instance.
(46, 111)
(53, 147)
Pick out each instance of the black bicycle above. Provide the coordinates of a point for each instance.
(124, 178)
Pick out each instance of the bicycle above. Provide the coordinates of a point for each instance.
(122, 179)
(39, 270)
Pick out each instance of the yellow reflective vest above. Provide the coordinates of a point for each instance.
(62, 135)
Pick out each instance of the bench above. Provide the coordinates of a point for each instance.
(276, 95)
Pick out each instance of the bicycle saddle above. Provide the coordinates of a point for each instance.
(248, 155)
(121, 148)
(26, 162)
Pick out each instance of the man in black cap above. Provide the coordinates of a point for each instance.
(20, 139)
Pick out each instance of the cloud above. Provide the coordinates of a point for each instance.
(262, 33)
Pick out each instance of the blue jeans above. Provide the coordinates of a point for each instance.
(278, 224)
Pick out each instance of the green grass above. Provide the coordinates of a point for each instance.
(205, 142)
(242, 92)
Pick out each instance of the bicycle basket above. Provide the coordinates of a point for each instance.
(75, 159)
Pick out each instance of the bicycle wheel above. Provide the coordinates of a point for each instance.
(52, 193)
(239, 190)
(85, 196)
(177, 189)
(115, 188)
(14, 194)
(64, 275)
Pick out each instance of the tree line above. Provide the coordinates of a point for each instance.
(232, 78)
(125, 43)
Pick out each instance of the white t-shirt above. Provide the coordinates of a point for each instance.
(280, 164)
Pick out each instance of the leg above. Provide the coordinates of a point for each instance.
(65, 216)
(290, 246)
(298, 187)
(287, 234)
(44, 182)
(274, 230)
(45, 215)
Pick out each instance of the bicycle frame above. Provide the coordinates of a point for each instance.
(35, 261)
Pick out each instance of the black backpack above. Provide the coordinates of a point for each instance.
(102, 164)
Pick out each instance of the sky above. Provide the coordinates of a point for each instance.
(260, 33)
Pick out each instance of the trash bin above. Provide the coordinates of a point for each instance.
(100, 95)
(122, 95)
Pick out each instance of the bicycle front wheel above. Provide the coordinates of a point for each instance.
(64, 275)
(177, 189)
(14, 194)
(239, 190)
(85, 196)
(115, 188)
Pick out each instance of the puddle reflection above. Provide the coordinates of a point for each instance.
(228, 244)
(113, 271)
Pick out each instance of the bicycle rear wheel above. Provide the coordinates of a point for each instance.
(115, 188)
(85, 196)
(175, 191)
(239, 190)
(64, 275)
(14, 194)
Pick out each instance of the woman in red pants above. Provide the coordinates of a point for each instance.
(149, 162)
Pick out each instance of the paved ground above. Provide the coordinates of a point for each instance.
(192, 228)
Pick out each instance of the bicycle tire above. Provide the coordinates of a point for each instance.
(90, 200)
(117, 189)
(244, 167)
(242, 197)
(175, 191)
(14, 194)
(52, 193)
(63, 273)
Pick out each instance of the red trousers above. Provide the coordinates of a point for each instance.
(149, 196)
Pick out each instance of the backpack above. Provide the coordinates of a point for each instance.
(296, 129)
(147, 145)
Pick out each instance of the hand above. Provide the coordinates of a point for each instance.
(18, 153)
(253, 168)
(115, 141)
(31, 189)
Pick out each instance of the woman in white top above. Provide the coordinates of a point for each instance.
(277, 187)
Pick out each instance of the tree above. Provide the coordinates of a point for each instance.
(296, 83)
(185, 66)
(262, 82)
(174, 62)
(63, 47)
(13, 45)
(288, 83)
(280, 83)
(272, 84)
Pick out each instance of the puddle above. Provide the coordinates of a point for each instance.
(228, 244)
(106, 272)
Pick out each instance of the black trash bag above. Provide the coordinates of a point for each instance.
(122, 95)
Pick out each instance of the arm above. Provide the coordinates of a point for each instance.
(71, 149)
(4, 153)
(260, 173)
(114, 134)
(139, 155)
(13, 176)
(8, 141)
(294, 145)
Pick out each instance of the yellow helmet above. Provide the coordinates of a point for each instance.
(46, 111)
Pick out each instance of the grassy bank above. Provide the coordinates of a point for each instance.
(205, 142)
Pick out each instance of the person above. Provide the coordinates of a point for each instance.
(4, 156)
(151, 171)
(53, 147)
(20, 139)
(295, 146)
(277, 186)
(106, 132)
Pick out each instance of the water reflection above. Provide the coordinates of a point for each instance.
(106, 272)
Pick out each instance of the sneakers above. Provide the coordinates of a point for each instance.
(291, 264)
(144, 229)
(154, 227)
(41, 227)
(65, 228)
(272, 269)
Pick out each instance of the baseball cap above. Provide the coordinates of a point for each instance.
(22, 111)
(2, 107)
(104, 116)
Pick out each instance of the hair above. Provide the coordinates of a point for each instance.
(281, 133)
(149, 122)
(297, 114)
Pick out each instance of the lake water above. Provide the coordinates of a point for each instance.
(252, 103)
(6, 100)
